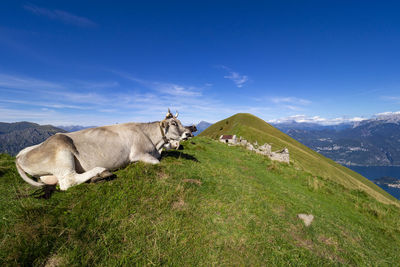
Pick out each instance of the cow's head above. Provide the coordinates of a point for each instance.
(173, 128)
(192, 129)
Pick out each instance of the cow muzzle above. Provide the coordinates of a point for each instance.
(172, 144)
(186, 135)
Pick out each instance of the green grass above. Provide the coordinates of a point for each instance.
(254, 129)
(209, 204)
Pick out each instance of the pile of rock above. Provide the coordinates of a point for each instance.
(265, 149)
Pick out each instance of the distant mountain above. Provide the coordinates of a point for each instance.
(18, 135)
(293, 125)
(373, 142)
(202, 126)
(74, 128)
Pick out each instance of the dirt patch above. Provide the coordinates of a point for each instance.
(192, 181)
(302, 241)
(54, 261)
(179, 205)
(328, 241)
(351, 237)
(163, 175)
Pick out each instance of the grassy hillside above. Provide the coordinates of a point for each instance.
(255, 129)
(208, 205)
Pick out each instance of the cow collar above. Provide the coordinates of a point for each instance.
(165, 139)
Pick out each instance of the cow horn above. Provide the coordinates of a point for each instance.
(176, 115)
(168, 113)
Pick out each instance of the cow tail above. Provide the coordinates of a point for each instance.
(26, 178)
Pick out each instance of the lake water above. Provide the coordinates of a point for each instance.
(375, 172)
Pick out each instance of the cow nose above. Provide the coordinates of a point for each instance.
(186, 135)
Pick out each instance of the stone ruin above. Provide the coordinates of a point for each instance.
(280, 155)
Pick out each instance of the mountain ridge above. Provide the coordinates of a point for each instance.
(374, 142)
(18, 135)
(201, 126)
(254, 129)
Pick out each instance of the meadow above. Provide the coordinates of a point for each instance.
(209, 204)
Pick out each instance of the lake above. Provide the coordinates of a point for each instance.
(375, 172)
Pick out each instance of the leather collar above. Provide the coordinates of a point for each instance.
(165, 139)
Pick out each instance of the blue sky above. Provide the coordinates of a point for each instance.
(104, 62)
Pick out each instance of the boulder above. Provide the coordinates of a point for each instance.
(306, 218)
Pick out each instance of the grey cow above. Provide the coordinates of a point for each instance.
(73, 158)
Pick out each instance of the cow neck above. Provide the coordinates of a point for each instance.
(162, 139)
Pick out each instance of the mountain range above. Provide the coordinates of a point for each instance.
(372, 142)
(18, 135)
(201, 126)
(74, 128)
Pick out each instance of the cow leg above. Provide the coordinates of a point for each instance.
(147, 158)
(49, 179)
(66, 174)
(93, 173)
(74, 178)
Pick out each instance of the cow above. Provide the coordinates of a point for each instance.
(73, 158)
(192, 129)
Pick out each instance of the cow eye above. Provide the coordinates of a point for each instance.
(173, 123)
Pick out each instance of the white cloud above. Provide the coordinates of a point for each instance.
(41, 101)
(300, 118)
(389, 116)
(290, 100)
(234, 76)
(52, 102)
(60, 15)
(163, 87)
(238, 79)
(175, 89)
(26, 83)
(43, 104)
(391, 98)
(98, 85)
(388, 113)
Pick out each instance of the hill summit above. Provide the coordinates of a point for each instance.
(255, 129)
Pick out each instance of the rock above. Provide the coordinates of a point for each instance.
(282, 155)
(265, 147)
(306, 218)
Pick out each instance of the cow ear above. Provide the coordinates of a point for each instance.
(164, 124)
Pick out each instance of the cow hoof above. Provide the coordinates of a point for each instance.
(106, 174)
(101, 176)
